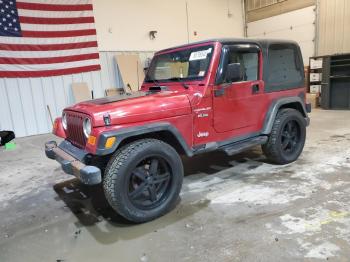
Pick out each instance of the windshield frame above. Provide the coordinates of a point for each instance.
(175, 50)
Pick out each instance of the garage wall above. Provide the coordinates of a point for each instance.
(296, 25)
(124, 25)
(334, 27)
(23, 101)
(215, 19)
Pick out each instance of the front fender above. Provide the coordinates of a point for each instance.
(58, 128)
(129, 132)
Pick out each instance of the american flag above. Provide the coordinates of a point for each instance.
(41, 38)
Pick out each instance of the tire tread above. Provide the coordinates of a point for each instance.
(270, 149)
(113, 178)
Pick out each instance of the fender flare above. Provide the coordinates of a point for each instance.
(273, 110)
(125, 133)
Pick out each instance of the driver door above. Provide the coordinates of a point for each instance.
(237, 103)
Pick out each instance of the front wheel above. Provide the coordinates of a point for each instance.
(287, 138)
(143, 180)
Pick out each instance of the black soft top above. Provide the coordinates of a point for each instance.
(262, 43)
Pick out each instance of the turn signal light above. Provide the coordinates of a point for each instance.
(92, 140)
(110, 142)
(55, 125)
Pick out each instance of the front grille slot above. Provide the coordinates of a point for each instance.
(75, 133)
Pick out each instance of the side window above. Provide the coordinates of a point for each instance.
(249, 62)
(283, 65)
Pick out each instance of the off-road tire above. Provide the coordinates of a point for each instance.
(273, 148)
(119, 170)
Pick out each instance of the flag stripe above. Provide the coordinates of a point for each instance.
(53, 66)
(46, 73)
(49, 34)
(47, 41)
(45, 60)
(43, 27)
(37, 54)
(53, 7)
(55, 21)
(55, 47)
(59, 2)
(54, 14)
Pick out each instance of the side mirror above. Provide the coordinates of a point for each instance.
(233, 73)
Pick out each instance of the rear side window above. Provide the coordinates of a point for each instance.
(285, 67)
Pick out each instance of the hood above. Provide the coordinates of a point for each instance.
(137, 107)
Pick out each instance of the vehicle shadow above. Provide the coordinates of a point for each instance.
(93, 212)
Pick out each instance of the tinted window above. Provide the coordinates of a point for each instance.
(249, 62)
(284, 66)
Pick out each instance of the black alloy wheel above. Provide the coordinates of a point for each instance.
(290, 137)
(287, 138)
(143, 180)
(149, 183)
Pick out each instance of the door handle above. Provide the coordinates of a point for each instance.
(255, 88)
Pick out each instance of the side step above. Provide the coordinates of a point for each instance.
(238, 147)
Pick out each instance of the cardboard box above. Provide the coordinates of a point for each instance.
(315, 89)
(316, 63)
(81, 92)
(131, 71)
(315, 77)
(114, 91)
(313, 99)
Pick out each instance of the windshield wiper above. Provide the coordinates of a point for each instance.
(179, 79)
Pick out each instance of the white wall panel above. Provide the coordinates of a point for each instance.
(5, 108)
(296, 25)
(23, 101)
(39, 105)
(26, 100)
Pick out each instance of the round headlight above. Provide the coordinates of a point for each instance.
(64, 121)
(87, 127)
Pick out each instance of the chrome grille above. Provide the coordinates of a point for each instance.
(75, 133)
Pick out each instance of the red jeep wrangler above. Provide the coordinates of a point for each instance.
(227, 95)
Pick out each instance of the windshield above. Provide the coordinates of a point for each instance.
(189, 64)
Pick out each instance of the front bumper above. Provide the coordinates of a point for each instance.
(89, 175)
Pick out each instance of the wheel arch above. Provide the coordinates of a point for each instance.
(294, 102)
(161, 131)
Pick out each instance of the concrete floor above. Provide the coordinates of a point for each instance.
(232, 208)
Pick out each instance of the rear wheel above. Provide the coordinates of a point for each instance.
(287, 138)
(143, 180)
